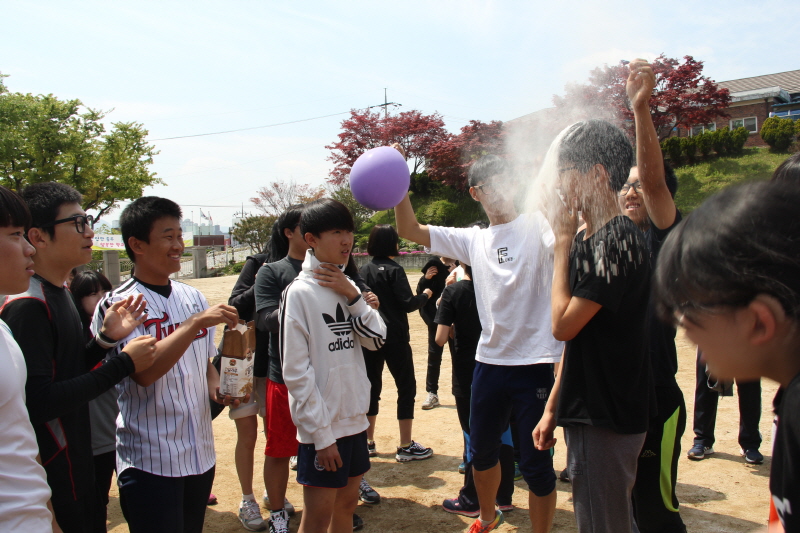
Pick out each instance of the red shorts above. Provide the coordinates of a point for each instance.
(281, 432)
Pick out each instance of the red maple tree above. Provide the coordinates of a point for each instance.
(364, 130)
(682, 96)
(449, 160)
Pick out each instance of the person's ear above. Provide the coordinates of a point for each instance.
(136, 246)
(310, 239)
(474, 194)
(600, 173)
(38, 237)
(765, 317)
(288, 233)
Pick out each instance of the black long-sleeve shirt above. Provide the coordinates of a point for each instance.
(389, 283)
(46, 325)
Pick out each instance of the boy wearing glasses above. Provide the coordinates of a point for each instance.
(47, 327)
(513, 370)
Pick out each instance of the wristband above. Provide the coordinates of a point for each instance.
(355, 299)
(104, 340)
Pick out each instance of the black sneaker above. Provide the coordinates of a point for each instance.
(454, 506)
(373, 452)
(564, 476)
(358, 522)
(698, 452)
(366, 493)
(412, 452)
(753, 457)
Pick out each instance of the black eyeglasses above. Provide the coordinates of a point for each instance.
(637, 186)
(79, 220)
(486, 188)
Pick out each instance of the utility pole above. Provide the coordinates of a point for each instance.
(385, 105)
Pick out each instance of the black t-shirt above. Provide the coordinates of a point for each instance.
(271, 280)
(606, 379)
(459, 309)
(784, 476)
(663, 354)
(435, 284)
(390, 284)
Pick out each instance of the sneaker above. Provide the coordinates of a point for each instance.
(373, 452)
(698, 452)
(431, 402)
(508, 507)
(293, 462)
(358, 522)
(517, 472)
(454, 506)
(212, 500)
(250, 516)
(478, 527)
(279, 522)
(287, 506)
(462, 468)
(413, 451)
(366, 493)
(752, 457)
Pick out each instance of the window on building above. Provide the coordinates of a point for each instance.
(700, 128)
(749, 123)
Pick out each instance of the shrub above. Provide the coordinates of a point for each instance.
(797, 128)
(778, 133)
(672, 147)
(704, 142)
(739, 136)
(439, 213)
(689, 147)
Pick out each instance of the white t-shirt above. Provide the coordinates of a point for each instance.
(23, 483)
(512, 270)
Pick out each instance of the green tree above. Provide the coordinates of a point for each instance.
(43, 138)
(254, 231)
(342, 194)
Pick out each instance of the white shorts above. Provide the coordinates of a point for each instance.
(256, 405)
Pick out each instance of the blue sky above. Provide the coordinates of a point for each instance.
(184, 68)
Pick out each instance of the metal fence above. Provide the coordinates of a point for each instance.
(404, 260)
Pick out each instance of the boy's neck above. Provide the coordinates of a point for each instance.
(149, 276)
(598, 216)
(296, 253)
(50, 270)
(496, 219)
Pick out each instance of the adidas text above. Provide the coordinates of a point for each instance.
(341, 344)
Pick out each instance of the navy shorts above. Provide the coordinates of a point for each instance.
(355, 463)
(496, 392)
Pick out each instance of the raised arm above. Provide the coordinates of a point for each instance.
(407, 225)
(650, 162)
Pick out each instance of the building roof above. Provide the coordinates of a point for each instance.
(788, 81)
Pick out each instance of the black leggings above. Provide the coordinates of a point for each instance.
(399, 359)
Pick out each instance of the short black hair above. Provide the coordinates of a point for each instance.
(13, 211)
(45, 199)
(467, 269)
(738, 244)
(593, 142)
(789, 170)
(325, 214)
(485, 168)
(138, 218)
(86, 283)
(383, 240)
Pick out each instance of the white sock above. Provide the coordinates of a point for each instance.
(250, 497)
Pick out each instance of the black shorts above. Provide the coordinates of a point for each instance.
(355, 463)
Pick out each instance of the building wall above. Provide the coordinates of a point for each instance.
(759, 109)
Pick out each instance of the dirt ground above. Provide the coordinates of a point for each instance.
(719, 494)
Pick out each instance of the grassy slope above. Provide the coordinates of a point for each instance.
(701, 180)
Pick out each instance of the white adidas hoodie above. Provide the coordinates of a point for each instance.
(323, 365)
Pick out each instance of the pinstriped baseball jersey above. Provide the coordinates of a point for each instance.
(165, 429)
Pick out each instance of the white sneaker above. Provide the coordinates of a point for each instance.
(431, 402)
(287, 506)
(293, 462)
(279, 522)
(250, 516)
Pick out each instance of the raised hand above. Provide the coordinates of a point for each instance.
(123, 317)
(142, 351)
(400, 149)
(216, 314)
(641, 82)
(432, 271)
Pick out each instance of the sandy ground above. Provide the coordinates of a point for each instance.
(719, 494)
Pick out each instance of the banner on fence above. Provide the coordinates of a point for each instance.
(114, 242)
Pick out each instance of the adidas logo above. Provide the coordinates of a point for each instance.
(342, 327)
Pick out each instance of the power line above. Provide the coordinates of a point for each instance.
(251, 128)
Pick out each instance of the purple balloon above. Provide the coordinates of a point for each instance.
(379, 178)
